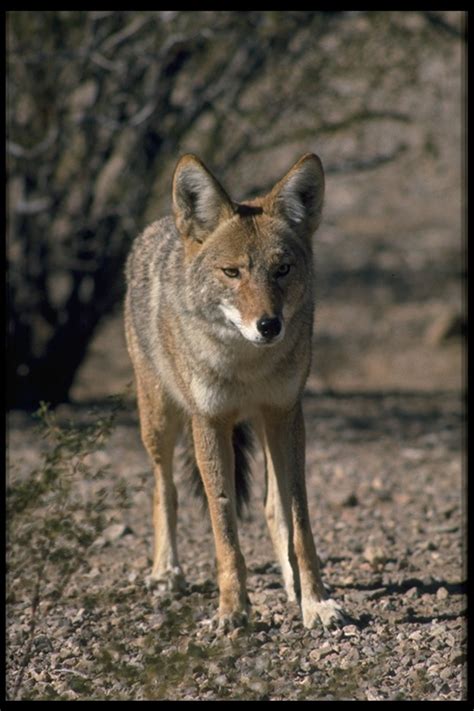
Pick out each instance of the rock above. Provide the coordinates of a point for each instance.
(350, 631)
(442, 594)
(342, 496)
(458, 657)
(448, 325)
(221, 681)
(78, 617)
(42, 643)
(373, 695)
(112, 534)
(374, 554)
(316, 654)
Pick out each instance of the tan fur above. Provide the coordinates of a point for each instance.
(218, 319)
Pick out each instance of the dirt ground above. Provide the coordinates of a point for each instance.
(385, 473)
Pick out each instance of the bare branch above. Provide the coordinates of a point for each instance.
(132, 28)
(14, 149)
(435, 19)
(32, 207)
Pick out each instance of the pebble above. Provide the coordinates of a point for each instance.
(221, 681)
(262, 663)
(325, 649)
(374, 554)
(373, 695)
(112, 534)
(350, 631)
(42, 642)
(257, 686)
(458, 657)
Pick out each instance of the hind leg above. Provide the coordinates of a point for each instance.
(159, 422)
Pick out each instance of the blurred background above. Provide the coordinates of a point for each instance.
(100, 104)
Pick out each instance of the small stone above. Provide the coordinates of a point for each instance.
(449, 324)
(351, 631)
(305, 666)
(42, 643)
(79, 616)
(442, 594)
(343, 497)
(221, 681)
(257, 686)
(437, 629)
(350, 500)
(373, 695)
(112, 534)
(458, 657)
(93, 573)
(262, 663)
(277, 619)
(316, 654)
(374, 554)
(413, 454)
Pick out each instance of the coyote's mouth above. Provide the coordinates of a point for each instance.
(253, 331)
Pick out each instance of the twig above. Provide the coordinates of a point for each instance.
(441, 24)
(72, 671)
(21, 152)
(124, 34)
(31, 632)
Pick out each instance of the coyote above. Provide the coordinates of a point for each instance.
(218, 320)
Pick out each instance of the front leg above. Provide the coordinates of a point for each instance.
(215, 459)
(285, 436)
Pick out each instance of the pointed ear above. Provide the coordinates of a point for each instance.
(199, 201)
(298, 196)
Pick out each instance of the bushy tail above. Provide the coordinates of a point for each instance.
(243, 442)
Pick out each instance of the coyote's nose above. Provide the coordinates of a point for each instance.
(269, 327)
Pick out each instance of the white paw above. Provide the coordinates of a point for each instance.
(328, 612)
(171, 580)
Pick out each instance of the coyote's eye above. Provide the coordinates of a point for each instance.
(232, 272)
(282, 270)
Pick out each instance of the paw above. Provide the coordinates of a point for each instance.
(227, 622)
(327, 612)
(171, 580)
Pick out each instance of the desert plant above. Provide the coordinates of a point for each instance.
(55, 513)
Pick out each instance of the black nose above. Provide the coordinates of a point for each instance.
(269, 327)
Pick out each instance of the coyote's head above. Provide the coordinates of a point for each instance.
(248, 266)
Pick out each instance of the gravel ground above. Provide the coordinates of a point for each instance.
(385, 487)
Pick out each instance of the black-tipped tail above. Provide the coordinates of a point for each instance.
(243, 442)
